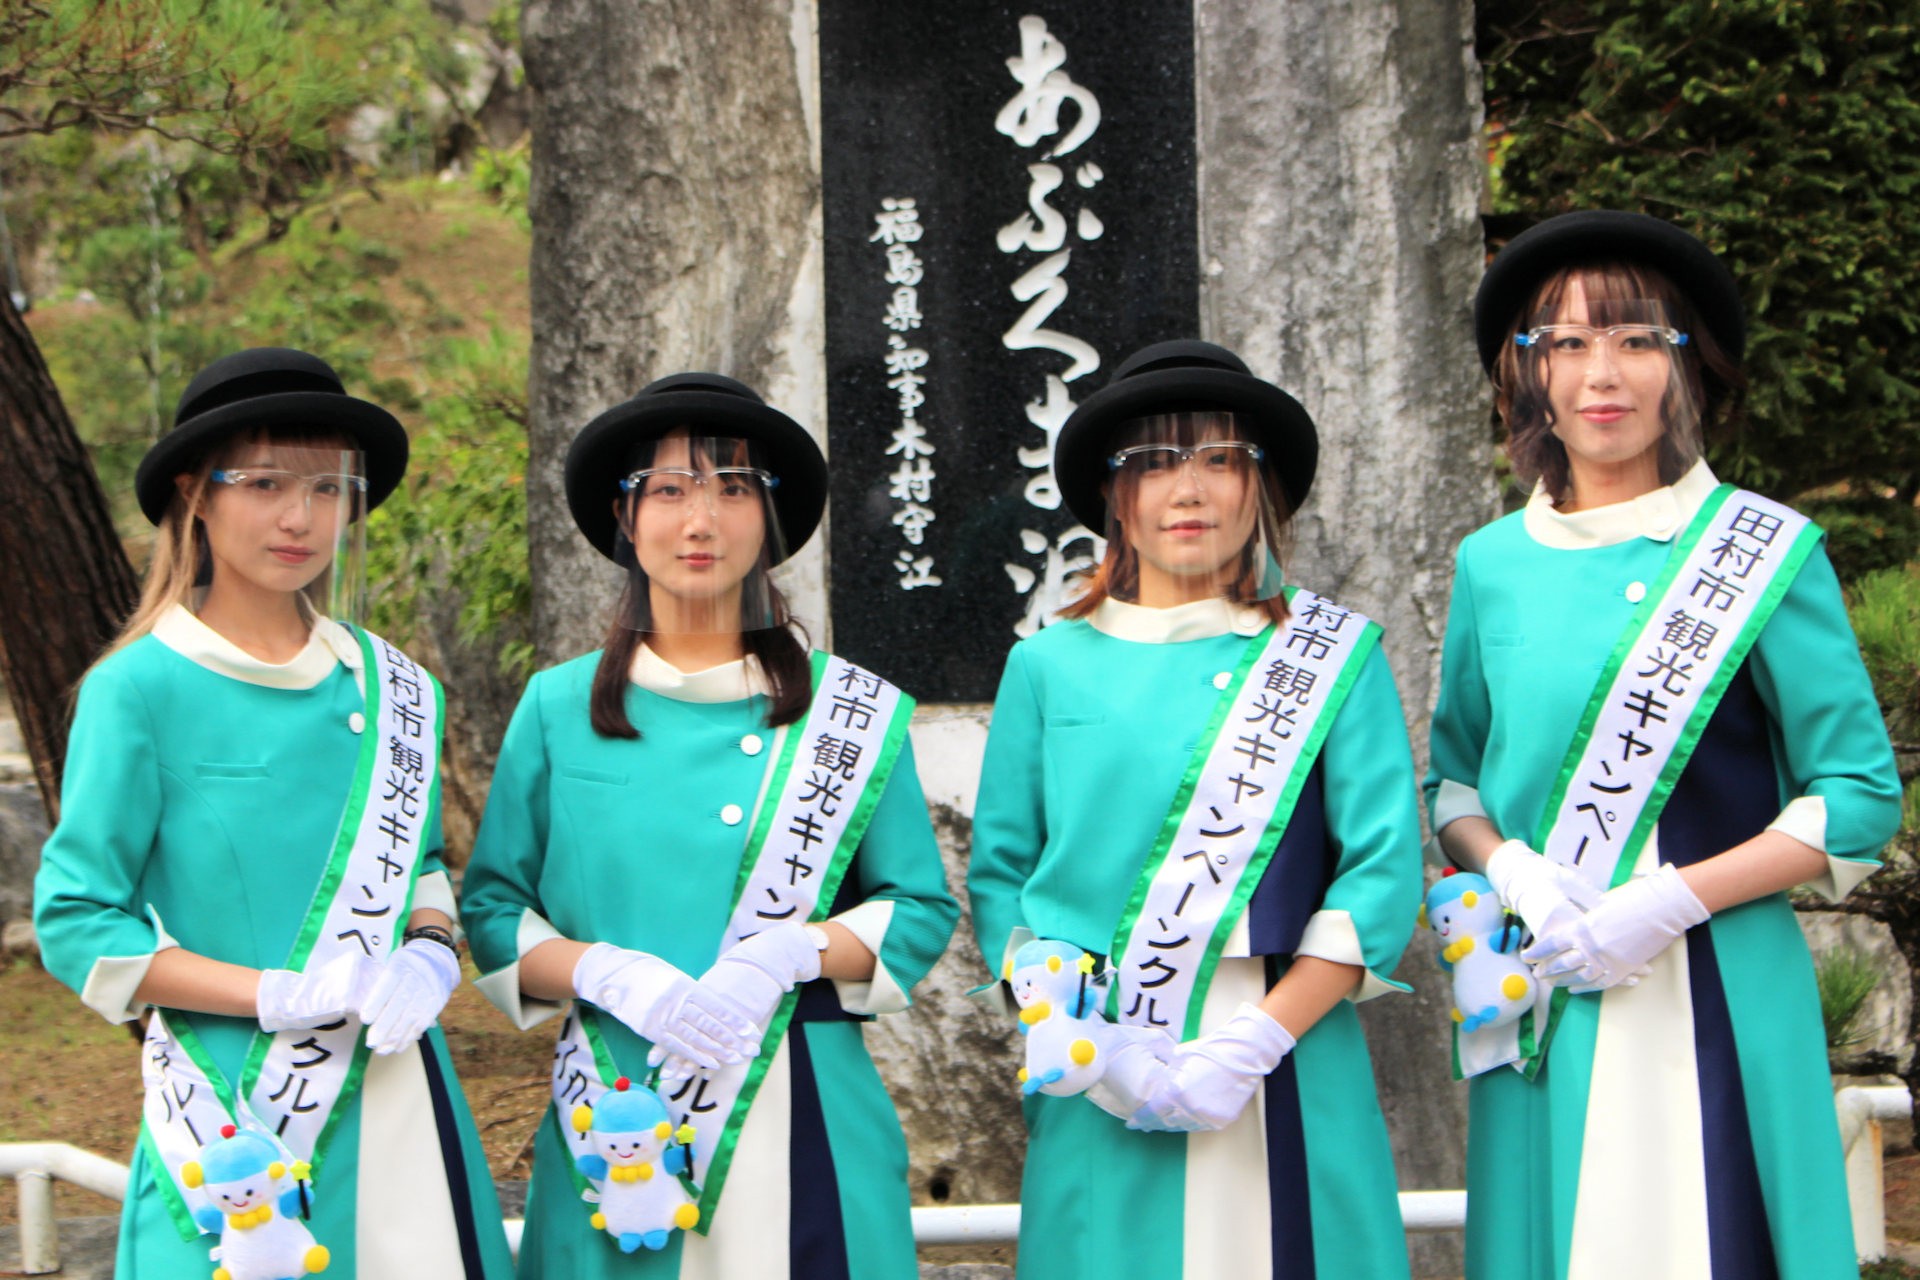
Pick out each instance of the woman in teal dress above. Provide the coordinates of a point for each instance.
(1193, 759)
(714, 843)
(1674, 1116)
(202, 845)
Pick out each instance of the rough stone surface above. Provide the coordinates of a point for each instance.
(23, 829)
(87, 1247)
(675, 206)
(1884, 1021)
(965, 1271)
(1340, 247)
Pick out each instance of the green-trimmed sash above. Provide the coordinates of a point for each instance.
(1233, 805)
(295, 1082)
(1681, 649)
(829, 773)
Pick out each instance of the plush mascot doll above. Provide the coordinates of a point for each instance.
(635, 1166)
(256, 1200)
(1480, 942)
(1068, 1039)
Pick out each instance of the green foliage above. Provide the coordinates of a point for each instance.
(1788, 137)
(1885, 610)
(1865, 534)
(507, 176)
(1847, 977)
(459, 523)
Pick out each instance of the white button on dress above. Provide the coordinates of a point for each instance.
(357, 722)
(732, 814)
(752, 745)
(1636, 592)
(1222, 680)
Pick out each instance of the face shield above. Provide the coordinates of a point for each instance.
(697, 532)
(1193, 512)
(1632, 342)
(292, 516)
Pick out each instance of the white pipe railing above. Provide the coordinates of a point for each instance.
(34, 1166)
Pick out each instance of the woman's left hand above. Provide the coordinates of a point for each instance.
(1612, 944)
(411, 989)
(1210, 1080)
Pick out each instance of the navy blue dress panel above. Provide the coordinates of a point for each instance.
(1727, 794)
(1295, 881)
(1289, 1195)
(816, 1232)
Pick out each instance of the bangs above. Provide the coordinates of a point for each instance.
(302, 452)
(1186, 428)
(1616, 293)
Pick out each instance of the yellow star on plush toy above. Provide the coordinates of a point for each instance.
(1086, 962)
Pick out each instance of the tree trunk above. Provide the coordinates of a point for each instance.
(675, 216)
(1340, 243)
(65, 583)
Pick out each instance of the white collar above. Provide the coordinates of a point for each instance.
(1201, 620)
(1660, 515)
(327, 644)
(733, 681)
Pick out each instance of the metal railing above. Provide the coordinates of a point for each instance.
(34, 1165)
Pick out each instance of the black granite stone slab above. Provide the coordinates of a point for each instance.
(920, 104)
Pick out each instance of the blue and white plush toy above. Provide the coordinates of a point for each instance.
(1068, 1039)
(254, 1203)
(1480, 943)
(635, 1167)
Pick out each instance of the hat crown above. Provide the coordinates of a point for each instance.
(250, 374)
(1180, 353)
(700, 382)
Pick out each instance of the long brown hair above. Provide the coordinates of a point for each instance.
(1713, 382)
(181, 560)
(1118, 572)
(785, 658)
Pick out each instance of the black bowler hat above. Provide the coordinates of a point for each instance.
(273, 389)
(1184, 376)
(707, 404)
(1606, 235)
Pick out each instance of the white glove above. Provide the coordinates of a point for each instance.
(665, 1006)
(755, 975)
(290, 1000)
(409, 991)
(1612, 943)
(1136, 1066)
(1538, 890)
(1210, 1080)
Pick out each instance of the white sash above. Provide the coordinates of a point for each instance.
(295, 1081)
(1231, 810)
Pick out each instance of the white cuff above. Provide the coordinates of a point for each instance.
(882, 993)
(1455, 800)
(1330, 935)
(1805, 819)
(502, 986)
(434, 892)
(113, 979)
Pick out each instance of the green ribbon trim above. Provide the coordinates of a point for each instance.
(1269, 838)
(722, 1160)
(1535, 1041)
(189, 1041)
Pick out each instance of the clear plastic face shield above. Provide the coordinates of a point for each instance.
(1592, 352)
(1193, 512)
(290, 515)
(698, 533)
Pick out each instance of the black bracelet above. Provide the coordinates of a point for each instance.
(438, 933)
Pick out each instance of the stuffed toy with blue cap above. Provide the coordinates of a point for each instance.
(255, 1202)
(1480, 944)
(636, 1165)
(1069, 1041)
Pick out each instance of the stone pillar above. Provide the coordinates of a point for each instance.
(1340, 247)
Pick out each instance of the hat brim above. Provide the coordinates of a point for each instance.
(377, 433)
(1271, 418)
(597, 459)
(1603, 235)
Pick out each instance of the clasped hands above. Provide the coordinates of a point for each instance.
(397, 998)
(704, 1024)
(1586, 939)
(1158, 1085)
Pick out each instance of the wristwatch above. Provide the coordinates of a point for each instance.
(821, 940)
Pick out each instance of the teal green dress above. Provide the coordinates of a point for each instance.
(1685, 1126)
(638, 842)
(1092, 731)
(199, 806)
